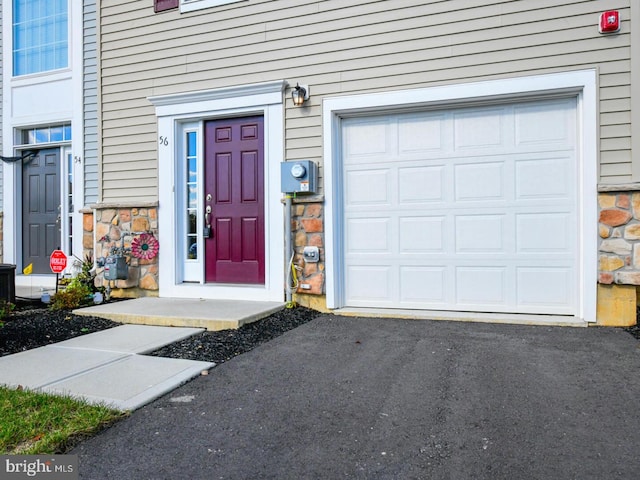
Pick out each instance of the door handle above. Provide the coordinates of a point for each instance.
(208, 231)
(207, 216)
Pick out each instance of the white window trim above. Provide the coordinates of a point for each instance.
(173, 112)
(192, 5)
(582, 82)
(192, 269)
(71, 38)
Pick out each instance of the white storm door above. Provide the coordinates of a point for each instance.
(467, 209)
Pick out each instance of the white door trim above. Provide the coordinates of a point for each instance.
(582, 83)
(172, 112)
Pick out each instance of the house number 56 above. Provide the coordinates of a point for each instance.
(164, 141)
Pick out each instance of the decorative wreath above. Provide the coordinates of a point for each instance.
(145, 246)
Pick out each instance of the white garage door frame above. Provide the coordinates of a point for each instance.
(581, 84)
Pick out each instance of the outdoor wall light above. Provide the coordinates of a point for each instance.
(299, 94)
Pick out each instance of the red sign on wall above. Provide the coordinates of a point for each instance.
(610, 21)
(58, 261)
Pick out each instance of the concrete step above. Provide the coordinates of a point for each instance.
(181, 312)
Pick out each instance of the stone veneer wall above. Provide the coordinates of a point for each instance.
(111, 223)
(618, 258)
(308, 230)
(619, 229)
(87, 234)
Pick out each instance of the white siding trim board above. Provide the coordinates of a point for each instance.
(582, 83)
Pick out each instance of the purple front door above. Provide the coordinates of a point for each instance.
(234, 195)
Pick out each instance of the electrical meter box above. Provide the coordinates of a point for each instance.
(300, 176)
(116, 268)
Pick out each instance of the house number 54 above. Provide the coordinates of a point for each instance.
(164, 141)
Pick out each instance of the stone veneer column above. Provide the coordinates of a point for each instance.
(111, 224)
(618, 257)
(308, 230)
(87, 234)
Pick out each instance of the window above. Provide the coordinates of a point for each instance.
(40, 36)
(192, 194)
(39, 135)
(162, 5)
(191, 5)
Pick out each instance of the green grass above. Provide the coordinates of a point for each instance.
(36, 423)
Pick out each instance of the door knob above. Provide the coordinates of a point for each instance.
(208, 231)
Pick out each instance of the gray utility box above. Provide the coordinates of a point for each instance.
(116, 268)
(300, 176)
(8, 282)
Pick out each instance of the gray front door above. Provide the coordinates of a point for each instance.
(41, 209)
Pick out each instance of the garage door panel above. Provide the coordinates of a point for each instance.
(481, 285)
(421, 184)
(371, 283)
(480, 215)
(544, 233)
(423, 133)
(366, 141)
(480, 233)
(369, 187)
(421, 234)
(544, 178)
(557, 281)
(423, 285)
(544, 124)
(479, 182)
(478, 128)
(369, 235)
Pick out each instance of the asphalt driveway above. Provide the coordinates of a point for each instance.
(394, 399)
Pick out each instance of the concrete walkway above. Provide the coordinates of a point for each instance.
(109, 366)
(105, 367)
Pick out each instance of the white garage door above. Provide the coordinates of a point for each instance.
(468, 209)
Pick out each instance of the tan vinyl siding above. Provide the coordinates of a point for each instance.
(341, 48)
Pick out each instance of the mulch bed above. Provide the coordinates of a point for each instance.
(635, 329)
(31, 325)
